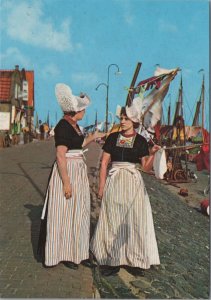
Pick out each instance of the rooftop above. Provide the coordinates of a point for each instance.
(5, 83)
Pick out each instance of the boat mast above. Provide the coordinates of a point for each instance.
(179, 103)
(181, 97)
(196, 116)
(169, 111)
(202, 101)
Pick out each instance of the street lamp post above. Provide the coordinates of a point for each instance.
(107, 90)
(104, 84)
(112, 117)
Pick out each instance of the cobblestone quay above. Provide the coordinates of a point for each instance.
(182, 235)
(183, 241)
(24, 175)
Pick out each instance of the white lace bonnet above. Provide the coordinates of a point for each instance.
(68, 101)
(134, 111)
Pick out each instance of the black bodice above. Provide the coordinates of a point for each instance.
(126, 149)
(67, 136)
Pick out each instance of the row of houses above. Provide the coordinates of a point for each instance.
(16, 102)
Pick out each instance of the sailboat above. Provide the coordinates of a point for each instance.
(187, 140)
(199, 135)
(196, 134)
(174, 133)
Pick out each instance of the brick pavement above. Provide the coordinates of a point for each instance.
(183, 241)
(182, 234)
(24, 175)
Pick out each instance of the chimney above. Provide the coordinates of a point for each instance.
(16, 67)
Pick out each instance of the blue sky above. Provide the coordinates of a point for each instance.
(75, 41)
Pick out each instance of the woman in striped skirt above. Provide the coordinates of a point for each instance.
(64, 235)
(125, 234)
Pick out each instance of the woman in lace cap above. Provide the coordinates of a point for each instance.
(65, 226)
(124, 235)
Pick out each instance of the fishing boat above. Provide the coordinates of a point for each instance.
(197, 134)
(191, 142)
(194, 135)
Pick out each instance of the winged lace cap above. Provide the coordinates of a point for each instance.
(68, 101)
(134, 111)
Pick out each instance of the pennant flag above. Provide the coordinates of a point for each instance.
(152, 103)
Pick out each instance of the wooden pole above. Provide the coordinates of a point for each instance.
(202, 102)
(131, 91)
(183, 147)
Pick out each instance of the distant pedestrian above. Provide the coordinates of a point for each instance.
(46, 129)
(7, 140)
(42, 132)
(124, 234)
(65, 227)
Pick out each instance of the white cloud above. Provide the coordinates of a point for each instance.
(26, 22)
(50, 70)
(13, 57)
(88, 79)
(167, 27)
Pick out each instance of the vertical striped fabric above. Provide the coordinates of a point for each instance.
(125, 234)
(68, 221)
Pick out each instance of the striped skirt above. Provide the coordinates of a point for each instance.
(68, 220)
(125, 234)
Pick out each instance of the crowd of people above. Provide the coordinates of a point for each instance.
(124, 234)
(25, 135)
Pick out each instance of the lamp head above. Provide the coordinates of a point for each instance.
(118, 73)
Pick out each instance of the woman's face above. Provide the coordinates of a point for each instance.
(125, 122)
(80, 114)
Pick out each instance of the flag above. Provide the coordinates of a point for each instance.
(152, 103)
(157, 130)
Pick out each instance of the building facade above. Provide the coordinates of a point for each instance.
(16, 101)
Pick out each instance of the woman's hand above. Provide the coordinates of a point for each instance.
(98, 134)
(103, 173)
(67, 190)
(92, 136)
(100, 193)
(154, 149)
